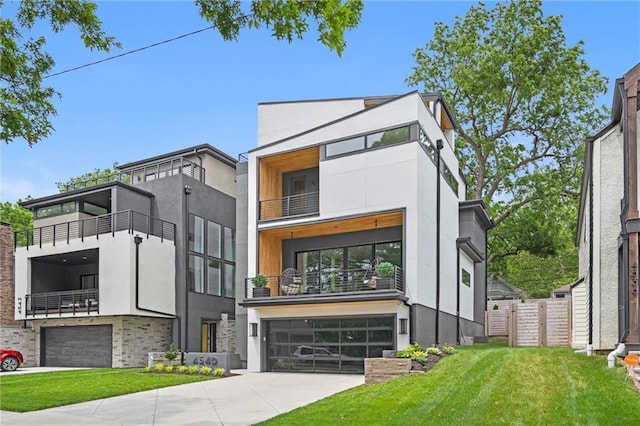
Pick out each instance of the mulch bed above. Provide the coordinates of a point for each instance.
(431, 361)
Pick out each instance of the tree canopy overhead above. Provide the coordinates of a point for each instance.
(525, 101)
(26, 103)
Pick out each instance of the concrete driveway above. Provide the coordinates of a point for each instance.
(244, 399)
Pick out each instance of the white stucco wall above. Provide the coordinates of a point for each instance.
(218, 175)
(116, 273)
(280, 120)
(608, 191)
(466, 293)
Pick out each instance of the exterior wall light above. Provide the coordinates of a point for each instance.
(403, 326)
(253, 329)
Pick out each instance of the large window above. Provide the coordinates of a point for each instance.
(211, 257)
(330, 268)
(56, 210)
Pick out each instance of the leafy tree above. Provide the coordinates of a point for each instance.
(96, 177)
(18, 217)
(288, 19)
(26, 105)
(15, 215)
(524, 100)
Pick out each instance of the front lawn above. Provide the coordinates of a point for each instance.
(488, 385)
(36, 391)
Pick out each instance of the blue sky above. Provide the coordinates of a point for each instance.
(201, 89)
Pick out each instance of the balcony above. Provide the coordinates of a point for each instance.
(127, 220)
(62, 302)
(290, 206)
(325, 284)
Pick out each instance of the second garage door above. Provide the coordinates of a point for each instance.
(81, 346)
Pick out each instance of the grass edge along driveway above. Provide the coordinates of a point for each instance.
(37, 391)
(488, 385)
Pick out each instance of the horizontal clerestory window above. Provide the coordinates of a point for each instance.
(372, 140)
(56, 210)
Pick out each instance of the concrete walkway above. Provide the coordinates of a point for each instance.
(239, 400)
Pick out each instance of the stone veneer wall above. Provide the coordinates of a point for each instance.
(133, 337)
(226, 335)
(21, 339)
(377, 370)
(7, 289)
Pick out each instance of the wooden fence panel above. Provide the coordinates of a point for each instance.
(496, 323)
(535, 323)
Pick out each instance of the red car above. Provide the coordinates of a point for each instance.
(10, 359)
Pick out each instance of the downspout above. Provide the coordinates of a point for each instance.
(458, 295)
(185, 239)
(619, 351)
(590, 339)
(439, 146)
(138, 240)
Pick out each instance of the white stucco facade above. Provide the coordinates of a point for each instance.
(117, 274)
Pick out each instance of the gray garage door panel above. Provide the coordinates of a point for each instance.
(81, 346)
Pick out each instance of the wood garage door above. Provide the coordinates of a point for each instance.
(81, 346)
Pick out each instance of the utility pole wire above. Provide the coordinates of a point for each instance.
(130, 52)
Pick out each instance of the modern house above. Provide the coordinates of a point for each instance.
(605, 300)
(352, 212)
(114, 270)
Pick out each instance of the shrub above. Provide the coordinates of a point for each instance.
(449, 350)
(168, 369)
(147, 369)
(171, 353)
(206, 370)
(409, 350)
(193, 369)
(219, 372)
(433, 350)
(182, 369)
(159, 367)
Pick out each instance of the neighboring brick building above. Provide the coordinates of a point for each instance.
(13, 334)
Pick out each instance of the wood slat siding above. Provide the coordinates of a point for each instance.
(544, 322)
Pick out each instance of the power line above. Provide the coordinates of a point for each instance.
(131, 52)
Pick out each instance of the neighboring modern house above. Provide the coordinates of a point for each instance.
(354, 210)
(115, 270)
(500, 289)
(605, 299)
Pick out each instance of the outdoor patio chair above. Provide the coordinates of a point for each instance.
(290, 282)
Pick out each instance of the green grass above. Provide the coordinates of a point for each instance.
(488, 385)
(37, 391)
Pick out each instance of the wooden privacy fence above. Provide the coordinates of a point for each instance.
(534, 323)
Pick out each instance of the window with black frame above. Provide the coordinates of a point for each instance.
(343, 269)
(211, 260)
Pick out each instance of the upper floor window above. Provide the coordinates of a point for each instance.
(211, 257)
(56, 209)
(372, 140)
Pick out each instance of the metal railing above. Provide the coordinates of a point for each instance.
(114, 177)
(62, 302)
(163, 169)
(126, 220)
(339, 281)
(292, 205)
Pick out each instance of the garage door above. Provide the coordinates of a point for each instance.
(82, 346)
(336, 345)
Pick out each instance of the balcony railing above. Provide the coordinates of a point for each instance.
(114, 177)
(291, 205)
(167, 168)
(62, 302)
(340, 281)
(126, 220)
